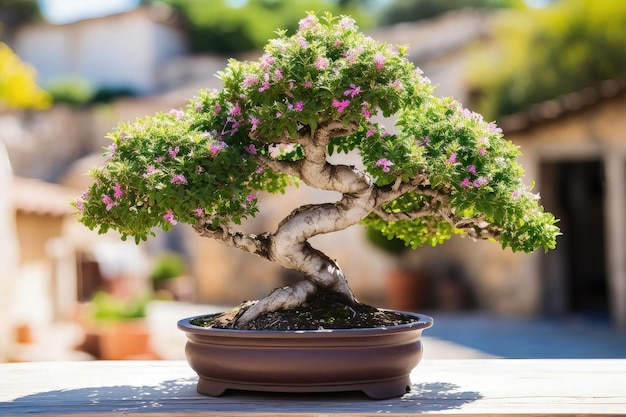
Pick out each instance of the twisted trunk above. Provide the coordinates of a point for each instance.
(288, 246)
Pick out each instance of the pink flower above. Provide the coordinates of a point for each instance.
(466, 183)
(385, 163)
(178, 179)
(480, 181)
(216, 148)
(267, 61)
(516, 194)
(173, 151)
(340, 105)
(308, 84)
(169, 216)
(79, 204)
(379, 60)
(346, 23)
(370, 131)
(250, 80)
(321, 63)
(303, 43)
(365, 110)
(452, 158)
(299, 105)
(251, 149)
(236, 110)
(351, 55)
(106, 199)
(494, 128)
(178, 113)
(218, 108)
(472, 169)
(265, 85)
(278, 74)
(159, 159)
(397, 84)
(251, 197)
(198, 211)
(352, 91)
(482, 151)
(260, 170)
(255, 123)
(308, 22)
(118, 192)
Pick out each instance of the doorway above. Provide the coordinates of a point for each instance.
(575, 274)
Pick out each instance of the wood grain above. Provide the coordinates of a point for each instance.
(487, 387)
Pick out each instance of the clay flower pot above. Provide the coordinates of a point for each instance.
(376, 361)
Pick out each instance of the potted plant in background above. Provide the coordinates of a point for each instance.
(169, 278)
(407, 286)
(275, 122)
(115, 327)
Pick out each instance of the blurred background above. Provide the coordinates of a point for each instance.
(552, 74)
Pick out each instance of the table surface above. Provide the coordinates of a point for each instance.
(491, 387)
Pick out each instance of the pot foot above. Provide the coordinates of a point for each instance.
(387, 389)
(210, 388)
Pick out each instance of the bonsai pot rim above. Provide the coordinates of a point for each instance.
(422, 322)
(375, 360)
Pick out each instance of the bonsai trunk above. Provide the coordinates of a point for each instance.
(289, 247)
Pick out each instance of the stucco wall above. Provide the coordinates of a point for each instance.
(119, 51)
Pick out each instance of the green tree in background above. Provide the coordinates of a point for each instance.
(413, 10)
(220, 27)
(540, 54)
(15, 12)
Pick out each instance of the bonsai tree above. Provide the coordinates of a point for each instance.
(277, 120)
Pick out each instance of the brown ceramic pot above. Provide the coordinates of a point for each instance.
(376, 361)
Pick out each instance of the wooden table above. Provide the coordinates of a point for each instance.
(490, 387)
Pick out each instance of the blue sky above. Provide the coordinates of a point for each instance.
(65, 11)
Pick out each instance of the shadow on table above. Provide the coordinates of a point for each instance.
(180, 396)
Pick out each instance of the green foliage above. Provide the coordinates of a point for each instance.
(470, 159)
(543, 53)
(168, 265)
(413, 10)
(105, 306)
(71, 90)
(76, 91)
(208, 161)
(391, 245)
(218, 26)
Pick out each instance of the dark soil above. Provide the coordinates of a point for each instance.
(325, 311)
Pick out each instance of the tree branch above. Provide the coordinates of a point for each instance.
(438, 207)
(255, 244)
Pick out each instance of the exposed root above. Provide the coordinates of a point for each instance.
(280, 299)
